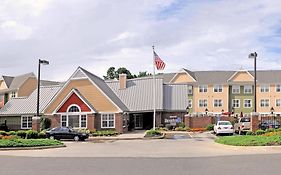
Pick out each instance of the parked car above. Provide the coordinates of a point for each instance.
(266, 124)
(243, 125)
(66, 133)
(223, 127)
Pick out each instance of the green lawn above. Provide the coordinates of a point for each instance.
(5, 143)
(250, 140)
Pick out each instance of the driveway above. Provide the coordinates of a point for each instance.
(196, 145)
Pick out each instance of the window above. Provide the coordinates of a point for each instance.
(73, 109)
(247, 103)
(189, 89)
(264, 102)
(63, 120)
(236, 89)
(190, 103)
(248, 89)
(278, 102)
(264, 88)
(236, 103)
(278, 88)
(83, 121)
(203, 88)
(203, 103)
(107, 121)
(26, 122)
(217, 103)
(217, 88)
(13, 94)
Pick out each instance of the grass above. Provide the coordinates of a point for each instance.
(5, 143)
(250, 140)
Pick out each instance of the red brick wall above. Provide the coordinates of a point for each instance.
(119, 123)
(255, 122)
(91, 121)
(198, 122)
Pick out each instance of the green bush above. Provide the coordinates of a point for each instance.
(151, 133)
(250, 133)
(11, 133)
(45, 123)
(270, 130)
(210, 127)
(42, 134)
(21, 133)
(104, 133)
(260, 132)
(181, 125)
(31, 134)
(28, 142)
(3, 133)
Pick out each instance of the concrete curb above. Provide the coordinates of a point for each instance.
(126, 138)
(158, 137)
(32, 148)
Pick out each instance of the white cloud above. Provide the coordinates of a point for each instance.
(13, 30)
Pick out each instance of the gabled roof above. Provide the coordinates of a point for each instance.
(188, 73)
(138, 95)
(27, 105)
(239, 71)
(8, 80)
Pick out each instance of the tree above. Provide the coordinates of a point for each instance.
(144, 74)
(110, 74)
(123, 70)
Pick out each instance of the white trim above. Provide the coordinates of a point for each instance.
(239, 72)
(276, 102)
(233, 103)
(66, 119)
(81, 120)
(251, 103)
(67, 97)
(245, 88)
(265, 85)
(217, 106)
(203, 103)
(203, 88)
(182, 71)
(276, 88)
(217, 89)
(268, 102)
(233, 88)
(67, 110)
(190, 104)
(108, 122)
(26, 121)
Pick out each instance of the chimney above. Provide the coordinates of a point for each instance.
(122, 81)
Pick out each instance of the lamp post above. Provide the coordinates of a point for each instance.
(254, 55)
(206, 111)
(43, 62)
(273, 116)
(187, 110)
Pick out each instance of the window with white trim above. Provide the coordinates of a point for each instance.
(73, 109)
(217, 103)
(26, 122)
(190, 103)
(217, 88)
(203, 88)
(278, 102)
(64, 121)
(83, 121)
(265, 88)
(108, 121)
(236, 103)
(236, 89)
(203, 103)
(247, 103)
(13, 94)
(264, 103)
(190, 89)
(278, 87)
(248, 89)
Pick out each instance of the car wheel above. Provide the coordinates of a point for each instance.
(52, 137)
(76, 138)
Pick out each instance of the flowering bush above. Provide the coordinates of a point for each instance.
(198, 129)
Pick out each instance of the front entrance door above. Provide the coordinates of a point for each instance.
(138, 118)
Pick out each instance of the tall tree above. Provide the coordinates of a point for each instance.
(123, 70)
(110, 74)
(144, 74)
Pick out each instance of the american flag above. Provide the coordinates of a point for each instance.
(160, 65)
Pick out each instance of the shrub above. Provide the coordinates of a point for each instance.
(84, 131)
(270, 130)
(11, 133)
(11, 137)
(260, 132)
(250, 133)
(104, 133)
(210, 127)
(161, 128)
(31, 134)
(151, 133)
(181, 125)
(45, 123)
(42, 134)
(21, 133)
(28, 142)
(3, 133)
(198, 129)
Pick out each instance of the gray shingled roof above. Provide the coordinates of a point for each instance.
(138, 96)
(8, 80)
(104, 87)
(175, 97)
(27, 105)
(50, 83)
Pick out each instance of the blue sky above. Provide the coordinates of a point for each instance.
(197, 35)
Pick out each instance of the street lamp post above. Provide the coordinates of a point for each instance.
(254, 55)
(43, 62)
(206, 111)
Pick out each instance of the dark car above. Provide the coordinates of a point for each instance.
(269, 124)
(66, 133)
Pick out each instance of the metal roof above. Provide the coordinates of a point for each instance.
(138, 95)
(175, 97)
(27, 105)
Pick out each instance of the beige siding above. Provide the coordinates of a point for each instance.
(98, 100)
(211, 96)
(2, 85)
(27, 87)
(182, 78)
(242, 76)
(272, 95)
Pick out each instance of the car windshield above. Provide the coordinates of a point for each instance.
(245, 119)
(224, 123)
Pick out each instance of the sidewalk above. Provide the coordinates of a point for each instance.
(132, 135)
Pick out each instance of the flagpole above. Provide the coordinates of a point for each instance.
(154, 91)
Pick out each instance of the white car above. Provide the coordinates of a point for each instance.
(223, 127)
